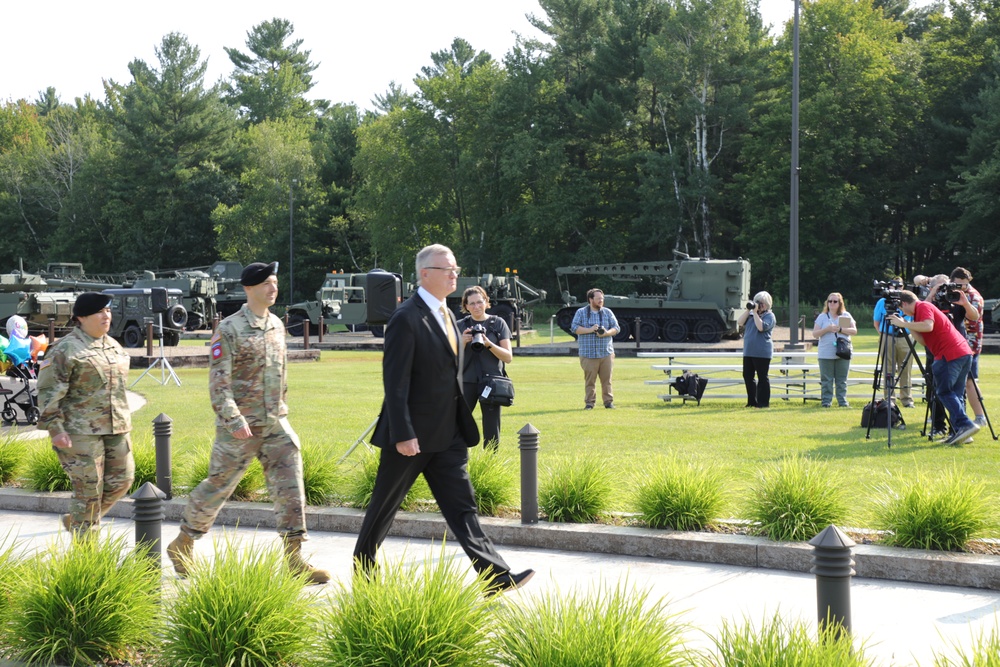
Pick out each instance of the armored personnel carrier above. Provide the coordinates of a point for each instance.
(686, 298)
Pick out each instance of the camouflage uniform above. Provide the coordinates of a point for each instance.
(81, 392)
(247, 386)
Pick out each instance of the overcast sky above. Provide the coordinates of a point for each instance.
(360, 46)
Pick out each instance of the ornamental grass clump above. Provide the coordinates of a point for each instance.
(320, 474)
(361, 483)
(98, 600)
(409, 615)
(249, 487)
(45, 473)
(12, 455)
(682, 497)
(780, 644)
(144, 454)
(243, 608)
(494, 477)
(941, 513)
(618, 627)
(576, 491)
(983, 652)
(10, 572)
(794, 499)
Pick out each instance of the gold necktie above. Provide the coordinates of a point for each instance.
(449, 329)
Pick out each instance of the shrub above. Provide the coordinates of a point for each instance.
(984, 652)
(361, 484)
(494, 476)
(679, 497)
(45, 473)
(576, 491)
(408, 616)
(243, 608)
(249, 487)
(794, 499)
(144, 453)
(12, 453)
(10, 570)
(933, 513)
(618, 627)
(780, 644)
(319, 474)
(97, 600)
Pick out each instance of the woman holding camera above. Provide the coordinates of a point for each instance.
(833, 323)
(758, 322)
(487, 349)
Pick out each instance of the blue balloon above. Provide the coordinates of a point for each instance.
(19, 351)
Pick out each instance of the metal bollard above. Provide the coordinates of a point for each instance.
(149, 338)
(215, 322)
(527, 442)
(162, 430)
(322, 327)
(833, 567)
(147, 513)
(305, 334)
(52, 330)
(638, 328)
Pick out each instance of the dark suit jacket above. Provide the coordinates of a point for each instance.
(422, 381)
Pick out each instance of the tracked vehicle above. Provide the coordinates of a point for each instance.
(678, 300)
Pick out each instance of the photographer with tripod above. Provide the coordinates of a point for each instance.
(895, 349)
(974, 335)
(952, 358)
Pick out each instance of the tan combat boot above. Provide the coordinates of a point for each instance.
(293, 556)
(180, 552)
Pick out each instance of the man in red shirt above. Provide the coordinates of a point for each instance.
(952, 359)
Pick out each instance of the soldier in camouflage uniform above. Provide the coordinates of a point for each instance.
(248, 388)
(81, 395)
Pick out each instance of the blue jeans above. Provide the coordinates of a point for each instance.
(949, 385)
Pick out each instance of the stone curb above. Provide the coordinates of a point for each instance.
(876, 562)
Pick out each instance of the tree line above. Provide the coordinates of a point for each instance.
(636, 129)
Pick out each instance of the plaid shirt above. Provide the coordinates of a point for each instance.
(591, 346)
(974, 329)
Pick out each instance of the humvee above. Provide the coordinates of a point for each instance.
(133, 307)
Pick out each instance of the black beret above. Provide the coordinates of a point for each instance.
(257, 273)
(90, 303)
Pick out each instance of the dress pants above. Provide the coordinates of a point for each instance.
(447, 476)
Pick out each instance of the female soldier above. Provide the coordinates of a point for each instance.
(81, 395)
(487, 360)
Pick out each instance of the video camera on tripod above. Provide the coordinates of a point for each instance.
(891, 291)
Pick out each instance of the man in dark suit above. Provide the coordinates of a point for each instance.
(425, 425)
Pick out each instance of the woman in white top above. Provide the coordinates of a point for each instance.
(832, 323)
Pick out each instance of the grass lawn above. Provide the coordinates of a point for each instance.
(333, 401)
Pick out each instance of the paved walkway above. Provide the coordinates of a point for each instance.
(902, 624)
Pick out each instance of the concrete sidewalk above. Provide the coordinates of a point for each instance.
(900, 623)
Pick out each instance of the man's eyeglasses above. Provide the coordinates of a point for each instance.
(454, 270)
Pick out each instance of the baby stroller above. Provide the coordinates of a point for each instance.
(25, 397)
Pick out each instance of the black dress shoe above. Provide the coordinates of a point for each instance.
(508, 581)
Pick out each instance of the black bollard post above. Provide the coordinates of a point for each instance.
(638, 328)
(322, 328)
(527, 442)
(833, 567)
(162, 430)
(147, 513)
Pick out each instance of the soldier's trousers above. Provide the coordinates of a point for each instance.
(279, 455)
(101, 469)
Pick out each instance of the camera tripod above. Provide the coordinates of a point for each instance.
(166, 370)
(887, 348)
(359, 441)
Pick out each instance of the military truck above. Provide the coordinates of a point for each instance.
(229, 294)
(339, 300)
(686, 298)
(133, 307)
(198, 293)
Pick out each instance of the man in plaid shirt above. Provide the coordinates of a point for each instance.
(974, 334)
(595, 327)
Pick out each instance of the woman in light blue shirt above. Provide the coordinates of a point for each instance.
(758, 349)
(834, 322)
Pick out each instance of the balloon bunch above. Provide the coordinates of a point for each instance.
(20, 347)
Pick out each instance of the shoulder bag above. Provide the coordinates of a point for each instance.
(495, 389)
(844, 347)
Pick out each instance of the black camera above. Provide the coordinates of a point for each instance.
(952, 292)
(601, 329)
(890, 291)
(751, 305)
(478, 336)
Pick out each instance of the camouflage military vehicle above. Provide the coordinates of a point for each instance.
(229, 296)
(198, 293)
(132, 308)
(687, 298)
(340, 300)
(26, 294)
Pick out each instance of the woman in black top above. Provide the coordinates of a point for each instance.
(489, 360)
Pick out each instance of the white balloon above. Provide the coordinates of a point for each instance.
(17, 327)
